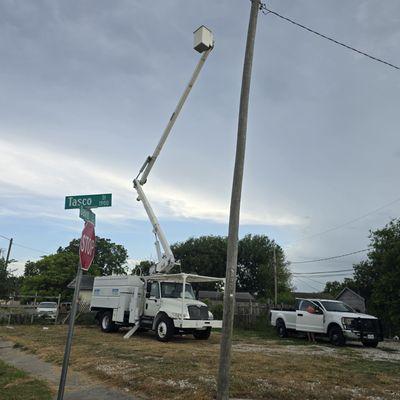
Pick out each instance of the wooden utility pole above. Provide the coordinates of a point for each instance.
(232, 250)
(275, 278)
(8, 252)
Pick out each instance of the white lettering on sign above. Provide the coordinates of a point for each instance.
(80, 202)
(87, 245)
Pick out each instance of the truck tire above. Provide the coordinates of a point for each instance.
(281, 329)
(202, 335)
(336, 336)
(164, 329)
(106, 322)
(370, 343)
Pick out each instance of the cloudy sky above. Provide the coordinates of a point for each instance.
(88, 86)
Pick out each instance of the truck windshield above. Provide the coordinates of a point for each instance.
(173, 290)
(47, 305)
(336, 306)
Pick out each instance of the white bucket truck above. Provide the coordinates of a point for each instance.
(163, 302)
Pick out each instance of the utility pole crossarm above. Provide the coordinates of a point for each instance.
(148, 164)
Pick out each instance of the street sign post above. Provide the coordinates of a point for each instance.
(87, 248)
(87, 215)
(88, 201)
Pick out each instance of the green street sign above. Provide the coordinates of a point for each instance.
(87, 215)
(88, 201)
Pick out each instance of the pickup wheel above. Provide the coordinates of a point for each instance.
(106, 322)
(202, 335)
(336, 336)
(370, 343)
(281, 329)
(164, 329)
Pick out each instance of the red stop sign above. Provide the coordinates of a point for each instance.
(87, 246)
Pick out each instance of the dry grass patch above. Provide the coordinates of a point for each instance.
(261, 368)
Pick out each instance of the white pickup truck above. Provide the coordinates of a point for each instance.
(331, 318)
(164, 303)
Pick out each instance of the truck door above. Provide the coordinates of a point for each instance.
(153, 302)
(309, 317)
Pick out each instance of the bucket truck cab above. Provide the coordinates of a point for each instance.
(163, 303)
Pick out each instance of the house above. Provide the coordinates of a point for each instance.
(353, 299)
(215, 296)
(85, 292)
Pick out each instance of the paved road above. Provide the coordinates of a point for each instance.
(79, 386)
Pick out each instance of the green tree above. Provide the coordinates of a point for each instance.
(110, 258)
(335, 287)
(378, 278)
(51, 275)
(206, 255)
(256, 268)
(9, 283)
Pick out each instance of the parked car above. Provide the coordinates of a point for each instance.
(47, 309)
(331, 318)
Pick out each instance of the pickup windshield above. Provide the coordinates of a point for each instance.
(48, 304)
(337, 306)
(173, 290)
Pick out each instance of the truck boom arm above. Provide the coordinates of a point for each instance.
(150, 160)
(166, 261)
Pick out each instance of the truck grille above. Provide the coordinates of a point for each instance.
(366, 326)
(198, 312)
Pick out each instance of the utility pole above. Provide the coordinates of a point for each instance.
(275, 278)
(232, 249)
(9, 251)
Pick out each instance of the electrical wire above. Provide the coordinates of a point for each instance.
(345, 223)
(323, 272)
(23, 246)
(328, 258)
(266, 11)
(306, 283)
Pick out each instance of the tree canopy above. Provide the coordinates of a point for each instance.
(51, 275)
(377, 279)
(206, 255)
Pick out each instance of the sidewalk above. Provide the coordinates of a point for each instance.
(79, 386)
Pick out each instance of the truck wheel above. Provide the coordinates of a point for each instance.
(164, 329)
(106, 322)
(281, 329)
(370, 343)
(336, 336)
(202, 335)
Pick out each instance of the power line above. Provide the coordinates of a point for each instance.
(23, 246)
(266, 11)
(30, 248)
(346, 223)
(328, 258)
(322, 272)
(306, 283)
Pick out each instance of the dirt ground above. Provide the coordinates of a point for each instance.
(262, 368)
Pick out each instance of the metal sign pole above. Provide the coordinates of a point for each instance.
(67, 351)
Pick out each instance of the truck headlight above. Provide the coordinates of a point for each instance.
(210, 315)
(179, 315)
(347, 323)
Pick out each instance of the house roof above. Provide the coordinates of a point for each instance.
(86, 283)
(214, 295)
(351, 291)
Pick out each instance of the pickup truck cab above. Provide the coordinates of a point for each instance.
(331, 318)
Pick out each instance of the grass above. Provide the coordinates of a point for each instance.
(261, 367)
(17, 385)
